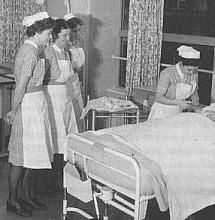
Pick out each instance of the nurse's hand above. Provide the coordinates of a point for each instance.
(10, 117)
(197, 108)
(184, 104)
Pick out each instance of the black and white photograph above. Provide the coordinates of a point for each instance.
(107, 109)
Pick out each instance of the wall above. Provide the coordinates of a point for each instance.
(56, 8)
(103, 43)
(101, 33)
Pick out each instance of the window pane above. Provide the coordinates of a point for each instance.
(190, 17)
(125, 14)
(122, 66)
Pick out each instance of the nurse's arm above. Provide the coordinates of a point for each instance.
(20, 91)
(163, 85)
(18, 97)
(160, 97)
(26, 70)
(29, 61)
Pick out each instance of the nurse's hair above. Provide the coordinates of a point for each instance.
(60, 24)
(190, 62)
(73, 22)
(40, 26)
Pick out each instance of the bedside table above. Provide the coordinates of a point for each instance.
(110, 108)
(124, 113)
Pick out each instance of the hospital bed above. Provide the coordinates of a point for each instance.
(116, 176)
(171, 160)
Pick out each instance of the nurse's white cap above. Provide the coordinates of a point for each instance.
(188, 52)
(68, 16)
(30, 20)
(55, 17)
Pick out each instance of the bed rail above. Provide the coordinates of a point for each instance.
(79, 151)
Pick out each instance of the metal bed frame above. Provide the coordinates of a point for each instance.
(110, 193)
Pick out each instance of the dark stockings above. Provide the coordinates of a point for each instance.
(19, 176)
(30, 190)
(29, 184)
(58, 172)
(13, 204)
(15, 176)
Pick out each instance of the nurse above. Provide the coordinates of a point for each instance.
(61, 111)
(30, 144)
(178, 85)
(75, 84)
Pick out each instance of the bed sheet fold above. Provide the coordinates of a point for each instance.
(184, 147)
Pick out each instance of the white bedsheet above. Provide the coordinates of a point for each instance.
(184, 147)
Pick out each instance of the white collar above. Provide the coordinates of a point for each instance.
(179, 71)
(31, 43)
(57, 48)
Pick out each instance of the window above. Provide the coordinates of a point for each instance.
(191, 17)
(122, 65)
(125, 14)
(188, 22)
(123, 41)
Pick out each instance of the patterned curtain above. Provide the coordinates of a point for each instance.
(144, 43)
(12, 32)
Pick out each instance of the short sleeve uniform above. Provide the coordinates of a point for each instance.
(169, 78)
(29, 64)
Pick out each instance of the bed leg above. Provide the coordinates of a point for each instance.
(95, 195)
(64, 204)
(106, 195)
(143, 209)
(105, 217)
(72, 209)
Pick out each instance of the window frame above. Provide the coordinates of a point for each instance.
(122, 34)
(176, 38)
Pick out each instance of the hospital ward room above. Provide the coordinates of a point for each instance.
(107, 109)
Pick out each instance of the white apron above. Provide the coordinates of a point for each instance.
(74, 87)
(61, 111)
(78, 57)
(37, 143)
(159, 110)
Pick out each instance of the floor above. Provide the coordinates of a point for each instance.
(153, 212)
(54, 203)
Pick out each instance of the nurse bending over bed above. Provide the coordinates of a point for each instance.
(178, 86)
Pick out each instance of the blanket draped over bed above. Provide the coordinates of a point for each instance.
(152, 178)
(184, 147)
